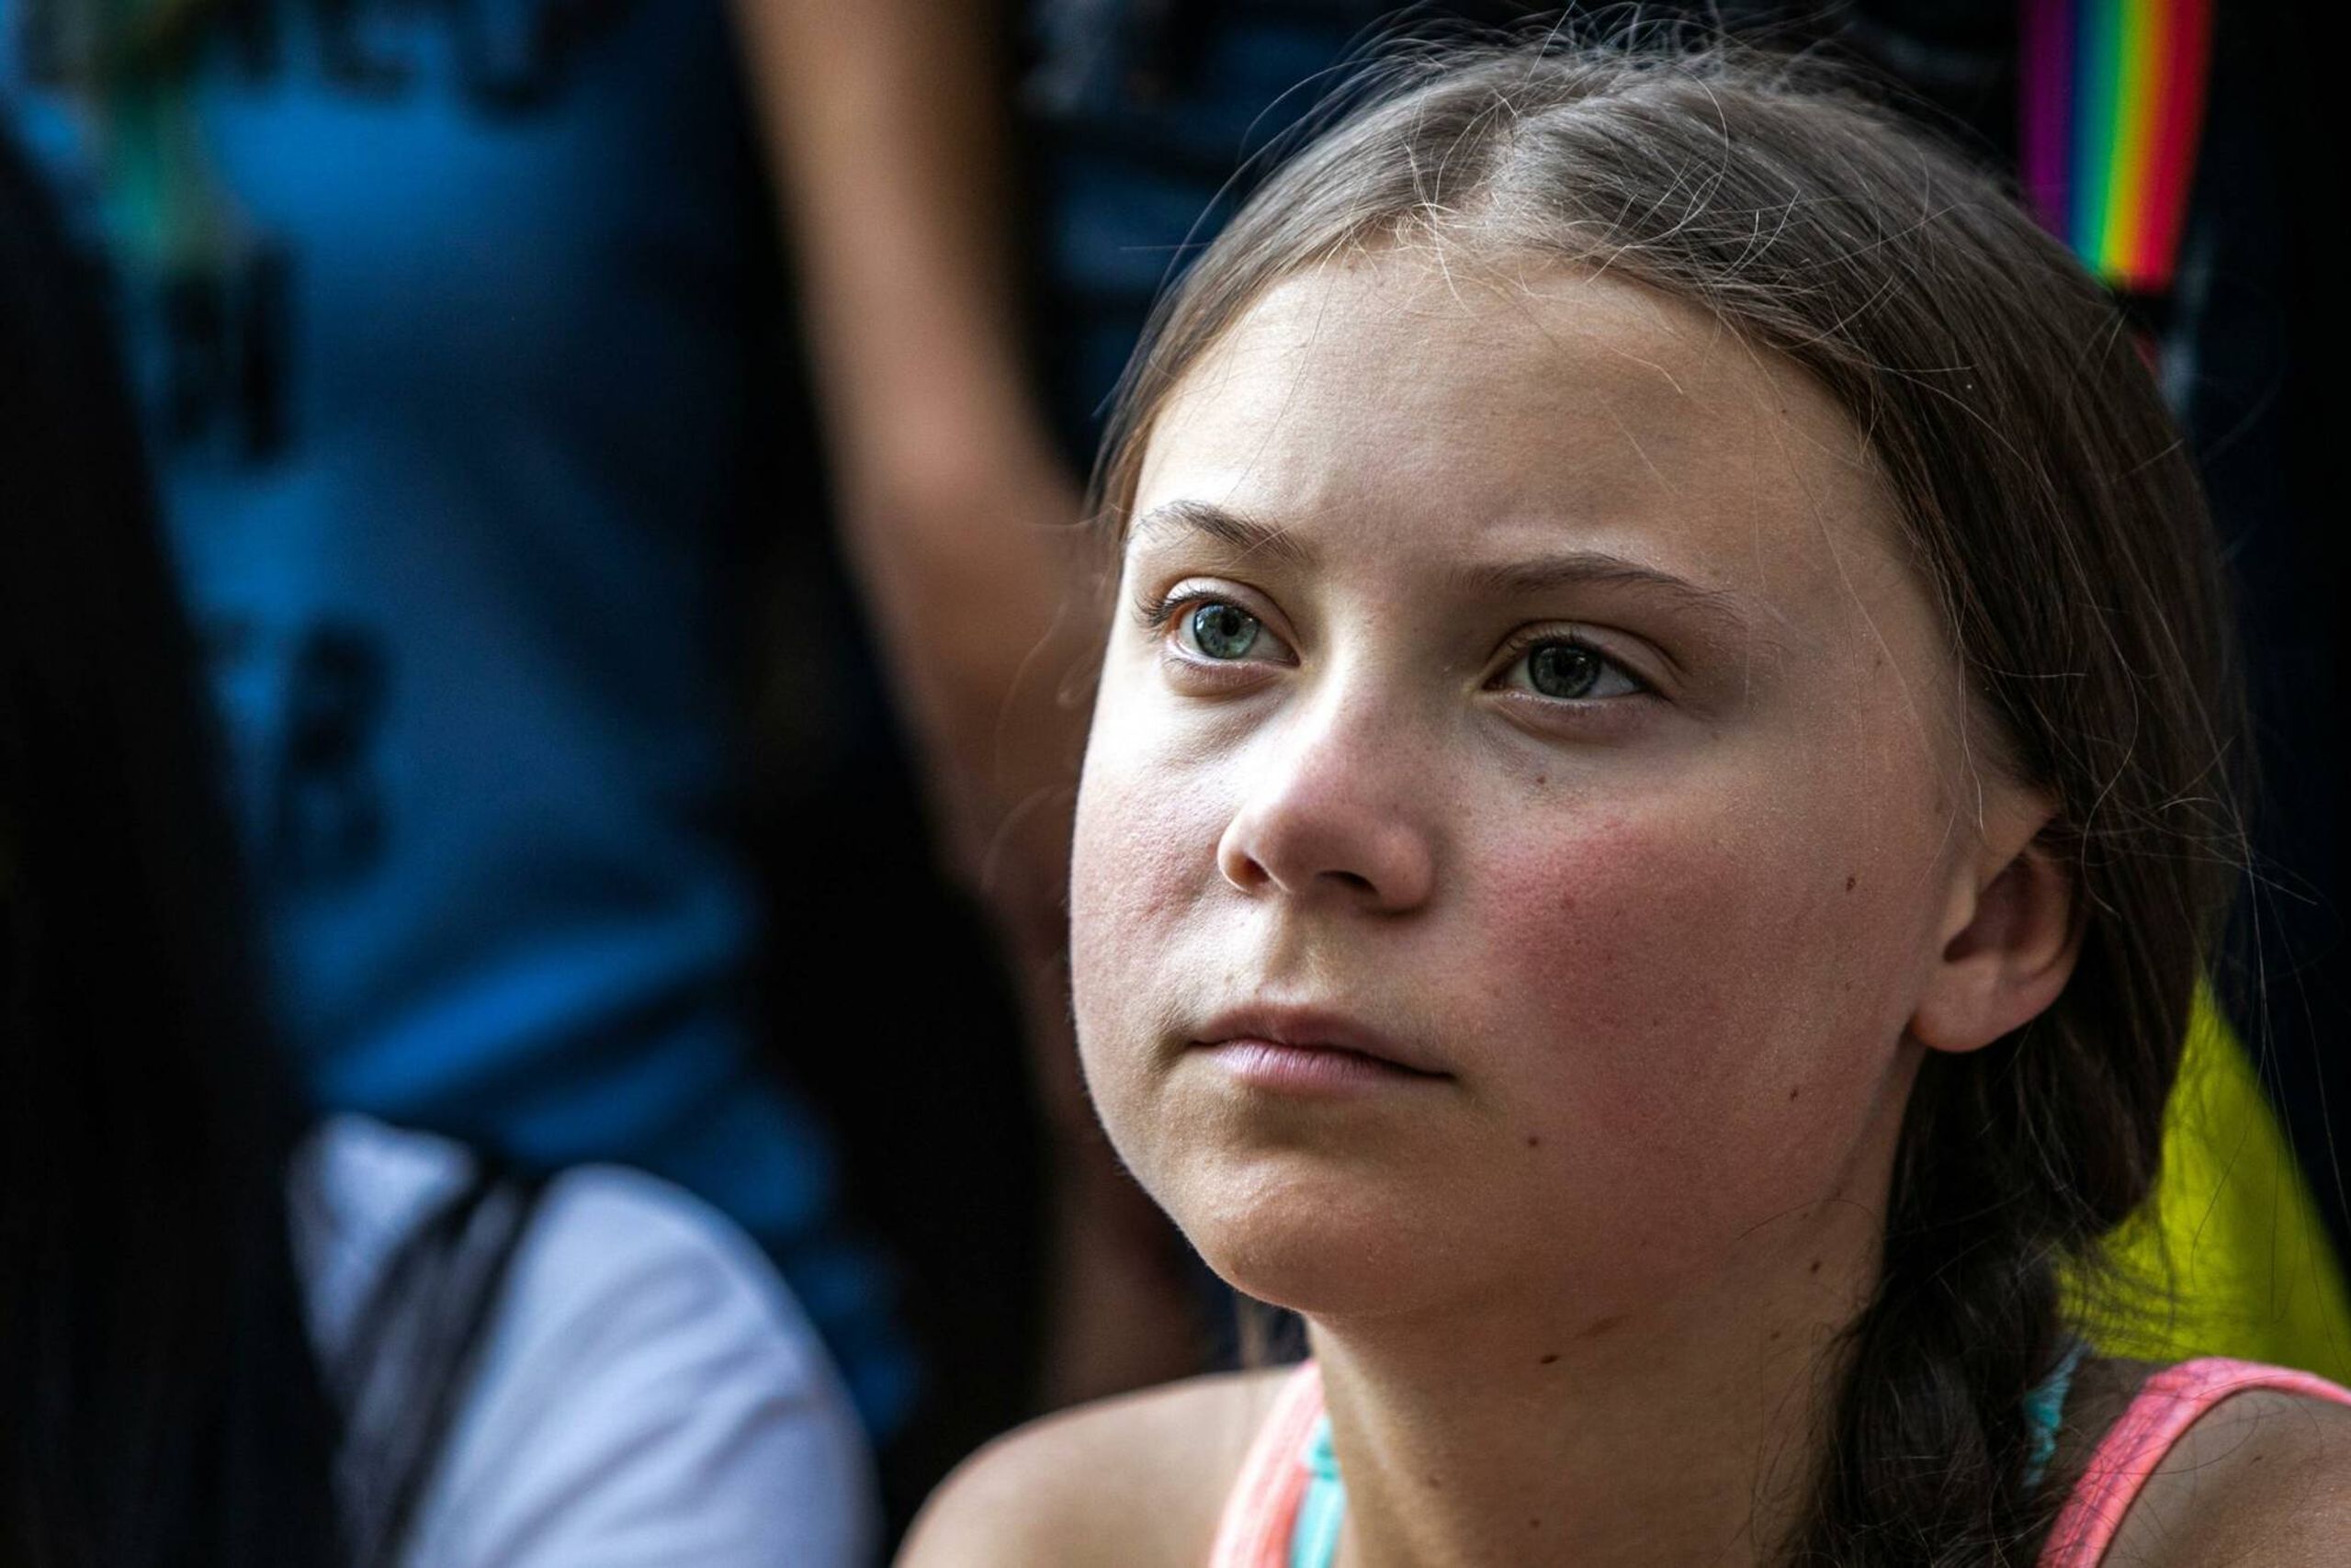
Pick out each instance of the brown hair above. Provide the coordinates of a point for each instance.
(2053, 514)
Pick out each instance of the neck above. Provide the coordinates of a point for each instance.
(1524, 1434)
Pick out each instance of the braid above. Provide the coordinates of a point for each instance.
(1930, 1444)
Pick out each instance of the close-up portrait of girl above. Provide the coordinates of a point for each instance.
(1663, 780)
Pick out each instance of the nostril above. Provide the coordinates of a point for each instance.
(1244, 872)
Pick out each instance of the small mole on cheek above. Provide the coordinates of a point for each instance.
(1542, 779)
(1534, 1524)
(1545, 1360)
(1432, 1484)
(1849, 882)
(1533, 1141)
(1816, 1268)
(1795, 1090)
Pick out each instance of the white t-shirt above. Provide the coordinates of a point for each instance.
(647, 1392)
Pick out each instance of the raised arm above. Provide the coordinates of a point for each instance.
(886, 127)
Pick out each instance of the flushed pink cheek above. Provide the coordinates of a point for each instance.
(1669, 998)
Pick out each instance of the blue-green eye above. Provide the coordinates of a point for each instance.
(1568, 671)
(1223, 631)
(1563, 670)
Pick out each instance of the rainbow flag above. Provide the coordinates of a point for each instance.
(2110, 101)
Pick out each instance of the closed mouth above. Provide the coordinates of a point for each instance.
(1311, 1032)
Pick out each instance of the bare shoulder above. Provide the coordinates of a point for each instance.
(1137, 1480)
(2263, 1477)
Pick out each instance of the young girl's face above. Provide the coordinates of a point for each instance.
(1526, 797)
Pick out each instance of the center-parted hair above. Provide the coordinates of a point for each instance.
(2050, 508)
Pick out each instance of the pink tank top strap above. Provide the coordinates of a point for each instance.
(2167, 1404)
(1263, 1507)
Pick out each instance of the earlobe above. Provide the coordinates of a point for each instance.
(2013, 951)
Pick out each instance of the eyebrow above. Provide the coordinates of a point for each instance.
(1577, 569)
(1524, 578)
(1245, 535)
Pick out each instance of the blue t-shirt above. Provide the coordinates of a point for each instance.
(447, 318)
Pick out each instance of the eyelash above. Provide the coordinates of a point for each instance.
(1159, 613)
(1156, 613)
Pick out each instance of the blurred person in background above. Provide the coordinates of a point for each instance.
(461, 336)
(443, 323)
(888, 125)
(231, 1333)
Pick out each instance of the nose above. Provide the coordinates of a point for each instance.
(1333, 817)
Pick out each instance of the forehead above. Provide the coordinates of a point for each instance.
(1429, 402)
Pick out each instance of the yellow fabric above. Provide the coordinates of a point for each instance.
(2231, 1256)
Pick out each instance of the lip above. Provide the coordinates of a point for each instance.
(1289, 1042)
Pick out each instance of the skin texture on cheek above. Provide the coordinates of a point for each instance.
(1131, 870)
(1676, 1009)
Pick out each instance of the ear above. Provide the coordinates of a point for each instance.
(2010, 937)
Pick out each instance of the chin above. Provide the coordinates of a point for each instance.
(1325, 1243)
